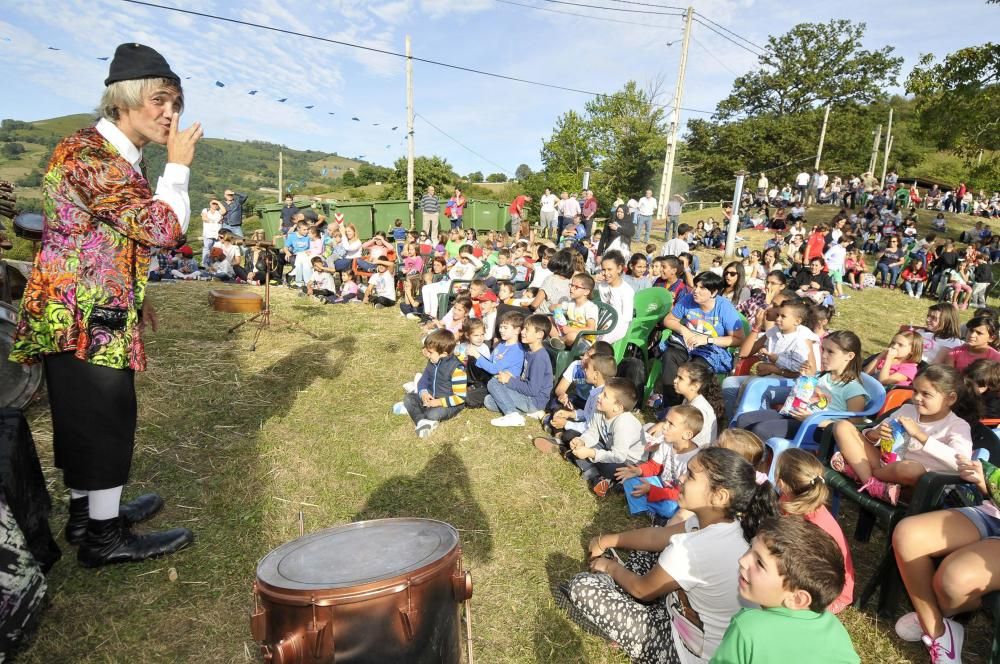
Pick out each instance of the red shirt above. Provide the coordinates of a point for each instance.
(517, 206)
(828, 523)
(590, 207)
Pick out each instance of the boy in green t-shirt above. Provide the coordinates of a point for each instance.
(793, 570)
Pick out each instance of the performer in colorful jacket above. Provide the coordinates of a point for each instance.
(83, 310)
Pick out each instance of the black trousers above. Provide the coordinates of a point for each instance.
(94, 414)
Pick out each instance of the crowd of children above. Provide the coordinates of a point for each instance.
(738, 565)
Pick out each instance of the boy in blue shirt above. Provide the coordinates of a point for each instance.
(296, 242)
(399, 236)
(528, 391)
(793, 570)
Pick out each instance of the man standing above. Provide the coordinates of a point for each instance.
(234, 212)
(821, 179)
(84, 310)
(762, 188)
(674, 207)
(287, 212)
(547, 213)
(569, 208)
(589, 209)
(518, 221)
(431, 207)
(802, 185)
(644, 216)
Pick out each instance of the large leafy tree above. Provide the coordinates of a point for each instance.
(427, 171)
(958, 100)
(813, 64)
(569, 150)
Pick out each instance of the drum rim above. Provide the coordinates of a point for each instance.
(361, 591)
(33, 373)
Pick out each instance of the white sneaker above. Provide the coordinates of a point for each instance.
(398, 408)
(508, 420)
(908, 627)
(409, 388)
(426, 427)
(947, 648)
(412, 316)
(537, 415)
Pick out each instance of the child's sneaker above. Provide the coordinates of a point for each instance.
(546, 445)
(409, 388)
(947, 648)
(412, 316)
(398, 408)
(908, 627)
(536, 415)
(508, 420)
(880, 490)
(839, 463)
(425, 427)
(601, 487)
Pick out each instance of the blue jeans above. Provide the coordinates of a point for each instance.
(643, 226)
(506, 400)
(672, 222)
(417, 411)
(456, 223)
(884, 270)
(235, 230)
(914, 287)
(209, 243)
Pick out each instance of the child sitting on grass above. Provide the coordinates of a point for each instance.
(321, 284)
(441, 389)
(572, 390)
(508, 355)
(528, 391)
(669, 460)
(896, 366)
(935, 427)
(568, 424)
(613, 438)
(452, 321)
(792, 571)
(696, 383)
(381, 289)
(349, 291)
(411, 307)
(799, 481)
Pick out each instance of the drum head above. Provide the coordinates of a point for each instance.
(29, 225)
(358, 553)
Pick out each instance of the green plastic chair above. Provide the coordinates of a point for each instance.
(607, 318)
(458, 286)
(651, 306)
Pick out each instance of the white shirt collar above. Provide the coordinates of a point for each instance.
(120, 141)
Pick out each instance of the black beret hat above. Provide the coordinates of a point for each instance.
(133, 61)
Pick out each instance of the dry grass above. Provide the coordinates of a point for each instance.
(239, 442)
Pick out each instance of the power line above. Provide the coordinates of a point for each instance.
(713, 55)
(591, 16)
(762, 48)
(723, 35)
(363, 48)
(648, 4)
(447, 135)
(615, 9)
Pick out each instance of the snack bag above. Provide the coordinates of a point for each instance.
(803, 395)
(895, 441)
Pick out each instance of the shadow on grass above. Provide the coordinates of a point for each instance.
(556, 639)
(441, 490)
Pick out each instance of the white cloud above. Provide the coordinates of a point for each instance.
(438, 8)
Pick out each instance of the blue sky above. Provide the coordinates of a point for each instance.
(502, 120)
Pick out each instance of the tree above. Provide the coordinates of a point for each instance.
(427, 171)
(496, 177)
(813, 64)
(349, 179)
(12, 150)
(475, 176)
(958, 101)
(522, 172)
(569, 149)
(370, 174)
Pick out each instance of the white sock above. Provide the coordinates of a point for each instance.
(74, 494)
(104, 504)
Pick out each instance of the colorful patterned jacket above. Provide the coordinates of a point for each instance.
(86, 290)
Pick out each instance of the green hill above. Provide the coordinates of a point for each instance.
(247, 166)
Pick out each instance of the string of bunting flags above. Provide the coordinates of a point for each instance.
(257, 93)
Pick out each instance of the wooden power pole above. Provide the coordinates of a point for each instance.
(675, 120)
(409, 128)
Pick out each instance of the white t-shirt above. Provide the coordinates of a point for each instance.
(384, 285)
(802, 179)
(577, 316)
(540, 275)
(933, 346)
(710, 428)
(210, 224)
(834, 257)
(620, 298)
(569, 207)
(792, 348)
(675, 247)
(232, 252)
(322, 281)
(548, 202)
(706, 565)
(647, 206)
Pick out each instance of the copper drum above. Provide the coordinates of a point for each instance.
(377, 591)
(18, 382)
(235, 301)
(29, 225)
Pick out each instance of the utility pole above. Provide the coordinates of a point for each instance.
(409, 128)
(888, 146)
(822, 138)
(874, 159)
(281, 175)
(734, 218)
(675, 120)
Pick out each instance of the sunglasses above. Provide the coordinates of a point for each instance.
(732, 274)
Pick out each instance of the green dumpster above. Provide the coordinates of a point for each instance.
(387, 212)
(361, 215)
(270, 218)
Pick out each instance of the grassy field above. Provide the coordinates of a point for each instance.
(239, 442)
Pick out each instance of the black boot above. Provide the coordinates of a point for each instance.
(141, 509)
(110, 541)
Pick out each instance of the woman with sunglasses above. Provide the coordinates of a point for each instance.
(890, 263)
(734, 286)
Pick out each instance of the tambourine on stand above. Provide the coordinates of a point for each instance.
(238, 301)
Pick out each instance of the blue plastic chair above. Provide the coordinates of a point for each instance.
(756, 393)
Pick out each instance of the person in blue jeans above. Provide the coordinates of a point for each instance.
(890, 263)
(528, 393)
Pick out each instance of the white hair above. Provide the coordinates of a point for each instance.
(131, 94)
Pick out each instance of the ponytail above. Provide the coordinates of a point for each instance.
(804, 488)
(749, 502)
(710, 388)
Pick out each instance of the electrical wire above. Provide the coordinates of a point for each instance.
(713, 56)
(649, 4)
(724, 36)
(449, 136)
(755, 44)
(591, 16)
(615, 9)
